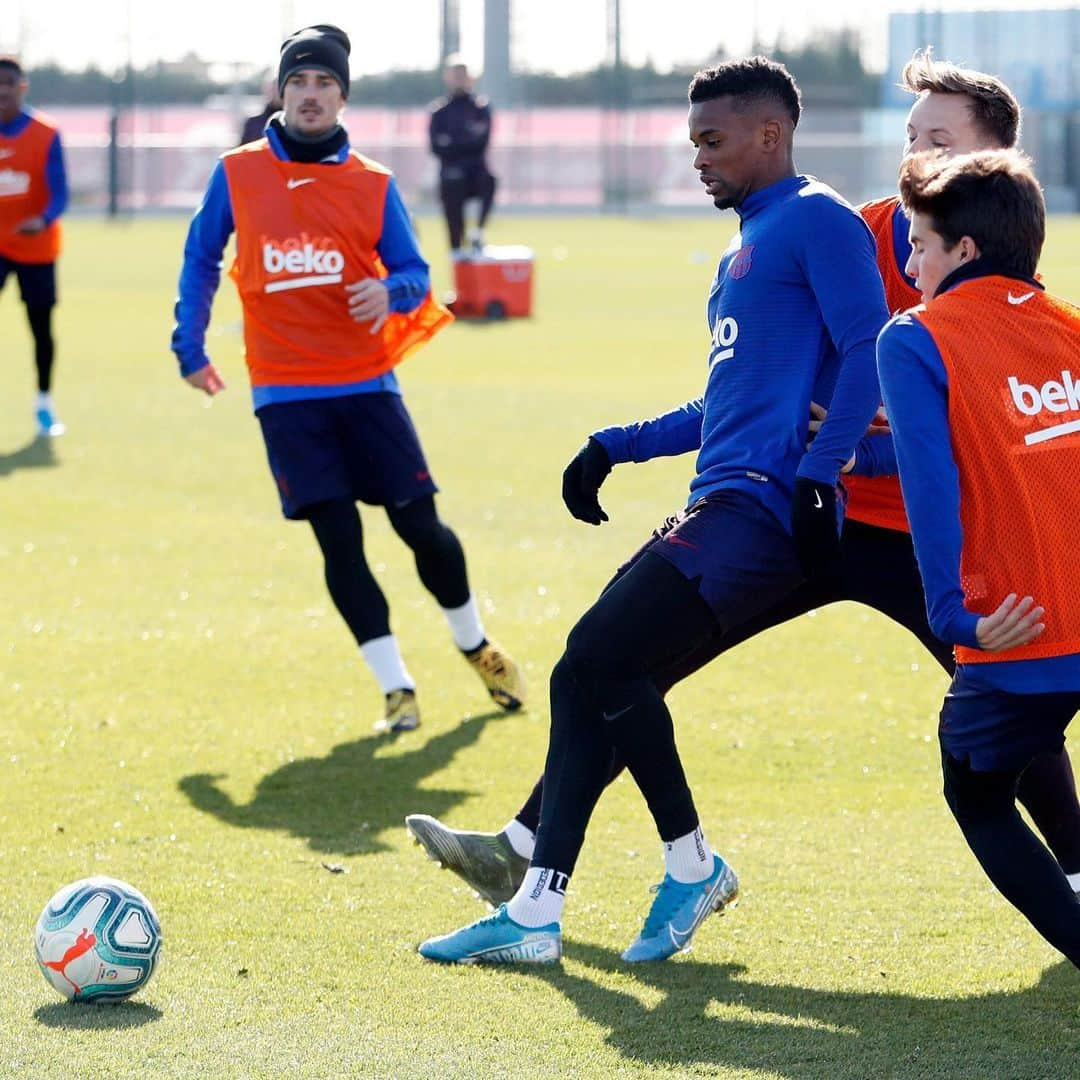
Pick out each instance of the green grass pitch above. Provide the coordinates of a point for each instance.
(181, 707)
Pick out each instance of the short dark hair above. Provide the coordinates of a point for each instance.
(753, 79)
(11, 63)
(994, 108)
(990, 195)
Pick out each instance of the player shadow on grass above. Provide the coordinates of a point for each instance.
(342, 803)
(74, 1016)
(711, 1015)
(36, 454)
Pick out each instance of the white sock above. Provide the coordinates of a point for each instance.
(522, 839)
(44, 400)
(688, 858)
(384, 658)
(465, 625)
(1073, 879)
(540, 899)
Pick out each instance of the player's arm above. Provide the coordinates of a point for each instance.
(408, 278)
(57, 186)
(839, 259)
(200, 275)
(915, 387)
(675, 432)
(875, 455)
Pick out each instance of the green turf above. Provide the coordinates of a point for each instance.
(181, 707)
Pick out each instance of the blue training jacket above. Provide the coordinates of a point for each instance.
(408, 282)
(794, 311)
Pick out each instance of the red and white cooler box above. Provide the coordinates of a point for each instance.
(494, 283)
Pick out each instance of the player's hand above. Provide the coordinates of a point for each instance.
(369, 301)
(878, 426)
(207, 380)
(31, 226)
(814, 526)
(581, 481)
(1016, 622)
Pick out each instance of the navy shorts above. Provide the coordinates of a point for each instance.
(37, 281)
(741, 558)
(993, 730)
(361, 447)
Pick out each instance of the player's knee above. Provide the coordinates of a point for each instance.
(975, 797)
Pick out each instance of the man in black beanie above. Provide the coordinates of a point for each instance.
(324, 243)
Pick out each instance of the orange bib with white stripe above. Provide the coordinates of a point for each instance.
(24, 193)
(303, 232)
(876, 500)
(1012, 356)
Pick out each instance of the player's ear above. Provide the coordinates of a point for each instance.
(968, 249)
(772, 134)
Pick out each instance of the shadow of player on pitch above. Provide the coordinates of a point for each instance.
(36, 454)
(342, 803)
(86, 1016)
(712, 1016)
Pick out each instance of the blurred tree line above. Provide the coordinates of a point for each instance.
(828, 68)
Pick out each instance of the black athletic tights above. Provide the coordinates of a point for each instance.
(1021, 868)
(440, 561)
(40, 319)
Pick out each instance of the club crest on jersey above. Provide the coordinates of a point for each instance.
(741, 262)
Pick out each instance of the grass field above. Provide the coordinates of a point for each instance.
(181, 707)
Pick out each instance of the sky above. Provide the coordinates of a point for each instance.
(548, 35)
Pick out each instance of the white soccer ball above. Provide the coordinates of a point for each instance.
(98, 939)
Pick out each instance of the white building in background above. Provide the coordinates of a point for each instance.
(1037, 53)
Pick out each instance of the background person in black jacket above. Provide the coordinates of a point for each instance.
(460, 129)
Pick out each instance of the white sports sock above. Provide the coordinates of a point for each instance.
(540, 898)
(688, 858)
(522, 839)
(465, 625)
(1073, 880)
(384, 658)
(44, 400)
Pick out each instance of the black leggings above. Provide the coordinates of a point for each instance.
(1021, 868)
(878, 570)
(456, 186)
(40, 318)
(440, 561)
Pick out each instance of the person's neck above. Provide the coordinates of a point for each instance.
(305, 147)
(10, 117)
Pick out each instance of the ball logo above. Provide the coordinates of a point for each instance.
(307, 262)
(1055, 397)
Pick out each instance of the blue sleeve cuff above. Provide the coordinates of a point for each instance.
(961, 630)
(875, 455)
(408, 278)
(616, 441)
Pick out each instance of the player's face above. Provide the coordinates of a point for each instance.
(728, 149)
(312, 101)
(930, 263)
(943, 122)
(12, 91)
(456, 79)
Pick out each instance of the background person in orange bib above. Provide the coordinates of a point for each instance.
(33, 195)
(335, 294)
(985, 415)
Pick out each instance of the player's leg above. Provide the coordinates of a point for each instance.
(1021, 868)
(453, 191)
(879, 569)
(481, 188)
(311, 466)
(37, 283)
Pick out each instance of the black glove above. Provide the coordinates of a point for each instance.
(814, 526)
(581, 481)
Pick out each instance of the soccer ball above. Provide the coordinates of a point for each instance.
(98, 939)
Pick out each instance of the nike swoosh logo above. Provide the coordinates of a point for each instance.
(616, 715)
(1020, 299)
(818, 504)
(294, 183)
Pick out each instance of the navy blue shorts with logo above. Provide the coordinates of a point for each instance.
(742, 560)
(37, 281)
(360, 446)
(994, 730)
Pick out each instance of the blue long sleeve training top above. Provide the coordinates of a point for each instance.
(408, 280)
(796, 304)
(55, 172)
(915, 385)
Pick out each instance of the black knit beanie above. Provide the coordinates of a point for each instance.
(323, 47)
